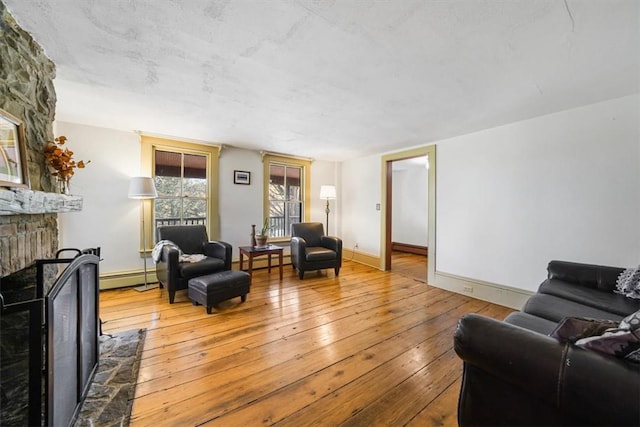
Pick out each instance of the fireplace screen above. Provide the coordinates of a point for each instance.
(63, 345)
(20, 363)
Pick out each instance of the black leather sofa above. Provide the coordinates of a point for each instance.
(516, 374)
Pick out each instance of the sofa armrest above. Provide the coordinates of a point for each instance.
(298, 246)
(167, 266)
(169, 255)
(584, 385)
(333, 243)
(218, 249)
(521, 357)
(589, 275)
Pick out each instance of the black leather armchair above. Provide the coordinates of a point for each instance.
(191, 239)
(312, 250)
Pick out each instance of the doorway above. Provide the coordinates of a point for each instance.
(408, 211)
(428, 156)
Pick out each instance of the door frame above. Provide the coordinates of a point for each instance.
(387, 208)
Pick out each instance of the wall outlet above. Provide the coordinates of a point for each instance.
(355, 246)
(468, 289)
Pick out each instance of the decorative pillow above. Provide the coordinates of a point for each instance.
(628, 283)
(631, 322)
(604, 336)
(571, 329)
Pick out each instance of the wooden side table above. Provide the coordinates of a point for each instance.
(255, 251)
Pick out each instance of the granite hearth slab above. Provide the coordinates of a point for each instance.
(109, 401)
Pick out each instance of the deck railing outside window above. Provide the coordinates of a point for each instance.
(278, 225)
(180, 221)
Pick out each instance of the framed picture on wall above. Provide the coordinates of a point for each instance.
(242, 177)
(13, 153)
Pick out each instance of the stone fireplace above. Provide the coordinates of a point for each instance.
(27, 92)
(28, 240)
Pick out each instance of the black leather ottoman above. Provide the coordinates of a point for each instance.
(217, 287)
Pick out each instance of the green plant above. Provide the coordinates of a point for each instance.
(264, 231)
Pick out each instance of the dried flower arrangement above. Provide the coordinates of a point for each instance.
(61, 163)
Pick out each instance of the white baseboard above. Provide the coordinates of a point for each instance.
(361, 257)
(491, 292)
(123, 279)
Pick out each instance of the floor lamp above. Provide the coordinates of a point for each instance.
(143, 188)
(327, 192)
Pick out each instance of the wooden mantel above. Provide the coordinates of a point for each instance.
(17, 201)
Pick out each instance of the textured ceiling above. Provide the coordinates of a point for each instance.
(331, 79)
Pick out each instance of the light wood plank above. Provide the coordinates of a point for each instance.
(321, 393)
(365, 348)
(441, 412)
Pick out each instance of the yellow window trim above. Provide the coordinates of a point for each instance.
(149, 144)
(268, 159)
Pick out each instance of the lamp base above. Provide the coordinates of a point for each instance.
(147, 287)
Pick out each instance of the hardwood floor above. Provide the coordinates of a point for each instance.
(411, 265)
(366, 348)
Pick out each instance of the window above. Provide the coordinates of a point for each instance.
(285, 198)
(186, 178)
(181, 182)
(286, 190)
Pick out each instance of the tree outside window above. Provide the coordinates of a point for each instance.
(181, 182)
(285, 198)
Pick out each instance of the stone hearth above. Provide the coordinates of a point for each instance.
(110, 397)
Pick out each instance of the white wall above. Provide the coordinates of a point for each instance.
(360, 192)
(326, 173)
(410, 206)
(240, 205)
(111, 220)
(509, 199)
(562, 186)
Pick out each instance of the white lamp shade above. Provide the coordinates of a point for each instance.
(142, 187)
(327, 192)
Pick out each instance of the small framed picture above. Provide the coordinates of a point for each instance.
(14, 171)
(242, 177)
